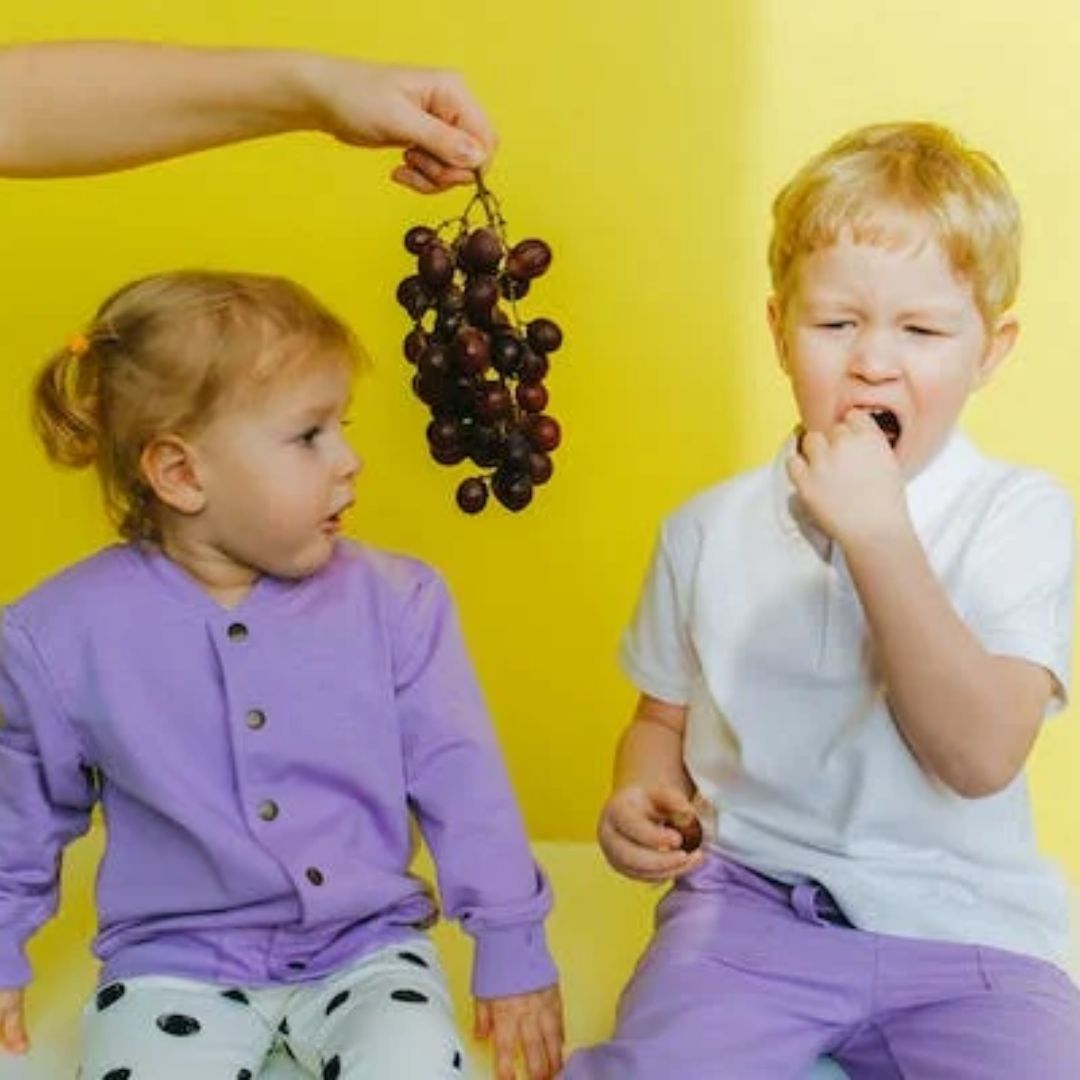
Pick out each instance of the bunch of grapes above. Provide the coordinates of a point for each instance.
(480, 368)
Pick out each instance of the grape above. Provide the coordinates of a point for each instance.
(480, 296)
(471, 350)
(482, 251)
(532, 397)
(434, 361)
(540, 467)
(418, 238)
(415, 343)
(528, 259)
(534, 366)
(479, 366)
(516, 452)
(472, 495)
(413, 296)
(513, 490)
(436, 267)
(543, 432)
(493, 401)
(544, 335)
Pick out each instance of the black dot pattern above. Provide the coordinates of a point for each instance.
(337, 1001)
(110, 995)
(332, 1069)
(236, 995)
(178, 1024)
(414, 997)
(283, 1027)
(117, 1074)
(412, 958)
(457, 1059)
(244, 1074)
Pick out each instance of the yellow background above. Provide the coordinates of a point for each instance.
(643, 139)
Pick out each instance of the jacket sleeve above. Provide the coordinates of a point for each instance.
(46, 795)
(460, 792)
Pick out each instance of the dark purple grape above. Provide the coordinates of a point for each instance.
(493, 401)
(436, 267)
(513, 288)
(480, 295)
(532, 397)
(485, 446)
(418, 238)
(528, 259)
(431, 390)
(447, 455)
(434, 361)
(544, 335)
(513, 490)
(543, 432)
(472, 495)
(415, 343)
(413, 296)
(471, 350)
(507, 350)
(534, 366)
(481, 252)
(516, 452)
(540, 467)
(451, 302)
(445, 433)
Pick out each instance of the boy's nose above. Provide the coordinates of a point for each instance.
(349, 463)
(874, 359)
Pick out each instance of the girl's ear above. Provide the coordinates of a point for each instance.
(1000, 343)
(170, 466)
(776, 328)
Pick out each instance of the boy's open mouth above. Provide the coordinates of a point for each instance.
(889, 423)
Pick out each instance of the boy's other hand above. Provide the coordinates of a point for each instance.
(637, 838)
(850, 480)
(529, 1023)
(13, 1035)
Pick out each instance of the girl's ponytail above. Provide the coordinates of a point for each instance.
(66, 405)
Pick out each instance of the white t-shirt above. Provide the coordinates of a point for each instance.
(749, 617)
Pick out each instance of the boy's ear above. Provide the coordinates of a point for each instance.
(171, 468)
(776, 328)
(1001, 341)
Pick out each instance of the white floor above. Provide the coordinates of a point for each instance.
(597, 931)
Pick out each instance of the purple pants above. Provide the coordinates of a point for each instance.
(746, 979)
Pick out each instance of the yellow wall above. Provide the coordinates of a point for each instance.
(644, 141)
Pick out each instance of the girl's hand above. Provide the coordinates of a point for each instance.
(529, 1023)
(13, 1035)
(638, 838)
(850, 480)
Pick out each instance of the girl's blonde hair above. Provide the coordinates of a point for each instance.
(922, 170)
(163, 355)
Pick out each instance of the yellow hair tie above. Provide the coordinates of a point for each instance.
(78, 345)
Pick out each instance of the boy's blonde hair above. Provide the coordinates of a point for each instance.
(163, 355)
(921, 170)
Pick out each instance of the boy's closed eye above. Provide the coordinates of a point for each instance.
(308, 437)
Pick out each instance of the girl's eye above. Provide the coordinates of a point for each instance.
(309, 436)
(836, 324)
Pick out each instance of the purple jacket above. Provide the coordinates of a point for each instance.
(256, 768)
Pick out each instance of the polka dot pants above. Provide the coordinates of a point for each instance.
(387, 1016)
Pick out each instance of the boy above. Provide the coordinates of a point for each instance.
(844, 661)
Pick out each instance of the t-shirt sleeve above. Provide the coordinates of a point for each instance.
(657, 652)
(1022, 577)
